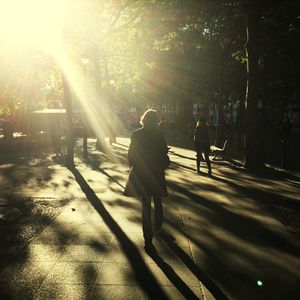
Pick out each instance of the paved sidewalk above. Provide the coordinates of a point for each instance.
(220, 242)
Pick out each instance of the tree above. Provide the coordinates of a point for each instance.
(254, 150)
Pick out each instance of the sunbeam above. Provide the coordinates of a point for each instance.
(93, 103)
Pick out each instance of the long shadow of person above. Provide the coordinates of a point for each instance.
(171, 275)
(142, 273)
(205, 280)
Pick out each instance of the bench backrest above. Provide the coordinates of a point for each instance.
(224, 146)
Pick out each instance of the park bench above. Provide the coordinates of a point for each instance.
(216, 151)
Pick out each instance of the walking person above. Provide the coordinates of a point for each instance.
(148, 159)
(162, 125)
(201, 144)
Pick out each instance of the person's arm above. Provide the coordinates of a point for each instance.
(165, 147)
(196, 137)
(164, 158)
(131, 150)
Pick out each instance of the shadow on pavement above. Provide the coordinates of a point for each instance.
(229, 273)
(96, 168)
(175, 165)
(207, 282)
(239, 230)
(259, 194)
(182, 156)
(172, 276)
(32, 214)
(142, 273)
(239, 224)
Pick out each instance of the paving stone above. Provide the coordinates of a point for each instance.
(90, 238)
(116, 273)
(41, 252)
(174, 293)
(127, 225)
(217, 228)
(116, 254)
(73, 273)
(22, 281)
(181, 272)
(169, 255)
(20, 290)
(87, 226)
(120, 292)
(55, 235)
(63, 291)
(25, 270)
(84, 253)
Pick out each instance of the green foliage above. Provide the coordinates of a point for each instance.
(169, 50)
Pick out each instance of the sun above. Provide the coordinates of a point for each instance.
(31, 23)
(51, 27)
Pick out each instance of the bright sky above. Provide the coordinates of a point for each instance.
(39, 24)
(30, 23)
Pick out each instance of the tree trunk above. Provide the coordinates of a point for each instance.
(184, 110)
(98, 103)
(68, 105)
(85, 143)
(253, 155)
(220, 125)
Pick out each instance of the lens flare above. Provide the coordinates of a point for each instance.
(259, 283)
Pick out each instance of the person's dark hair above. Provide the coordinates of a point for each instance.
(149, 118)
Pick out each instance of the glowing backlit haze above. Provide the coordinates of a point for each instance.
(90, 45)
(45, 25)
(30, 23)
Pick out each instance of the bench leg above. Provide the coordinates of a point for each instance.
(218, 154)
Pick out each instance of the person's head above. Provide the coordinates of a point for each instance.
(149, 118)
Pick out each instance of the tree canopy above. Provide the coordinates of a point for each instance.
(145, 52)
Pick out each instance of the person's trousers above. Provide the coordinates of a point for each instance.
(206, 156)
(146, 216)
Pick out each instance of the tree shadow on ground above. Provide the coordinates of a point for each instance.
(266, 172)
(228, 219)
(181, 142)
(120, 145)
(216, 214)
(175, 165)
(172, 276)
(245, 228)
(182, 156)
(259, 195)
(169, 272)
(111, 178)
(142, 273)
(205, 280)
(21, 176)
(242, 228)
(229, 160)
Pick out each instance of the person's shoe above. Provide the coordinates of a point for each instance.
(209, 173)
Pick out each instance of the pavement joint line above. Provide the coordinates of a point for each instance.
(38, 288)
(205, 291)
(96, 277)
